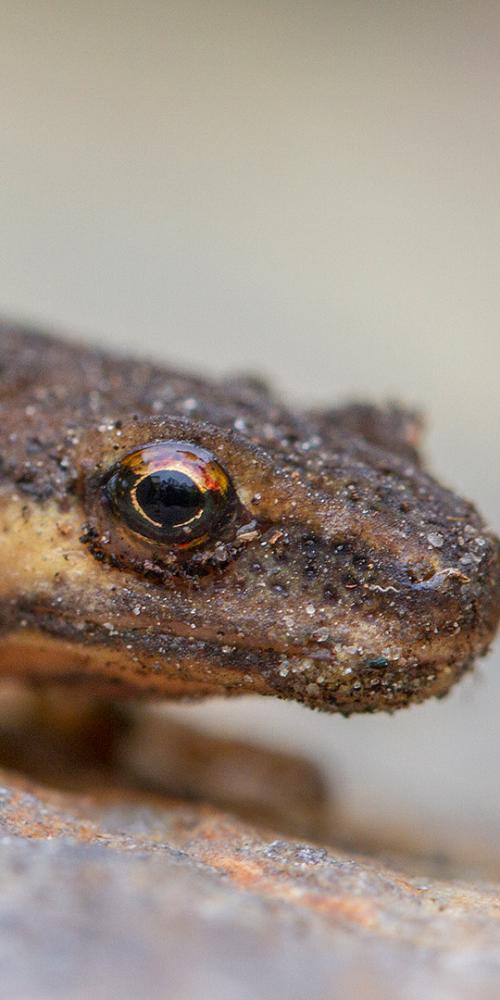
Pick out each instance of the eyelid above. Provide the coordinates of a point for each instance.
(252, 469)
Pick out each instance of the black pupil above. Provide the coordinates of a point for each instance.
(169, 497)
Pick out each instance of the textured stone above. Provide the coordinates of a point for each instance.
(120, 893)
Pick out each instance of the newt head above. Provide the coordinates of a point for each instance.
(179, 537)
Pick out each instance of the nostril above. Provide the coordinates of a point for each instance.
(439, 578)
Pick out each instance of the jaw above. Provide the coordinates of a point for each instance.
(153, 667)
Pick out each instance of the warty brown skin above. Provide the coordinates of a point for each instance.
(349, 579)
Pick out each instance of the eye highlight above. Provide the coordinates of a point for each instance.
(172, 492)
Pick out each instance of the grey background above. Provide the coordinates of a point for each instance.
(310, 190)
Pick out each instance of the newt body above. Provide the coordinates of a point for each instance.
(163, 535)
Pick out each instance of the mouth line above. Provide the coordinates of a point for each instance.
(175, 642)
(235, 653)
(172, 640)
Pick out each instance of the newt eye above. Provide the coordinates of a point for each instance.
(172, 492)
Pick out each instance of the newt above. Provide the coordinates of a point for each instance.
(164, 535)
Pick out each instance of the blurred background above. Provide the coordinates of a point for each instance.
(308, 190)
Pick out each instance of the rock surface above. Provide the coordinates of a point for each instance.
(119, 894)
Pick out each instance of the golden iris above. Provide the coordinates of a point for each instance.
(172, 492)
